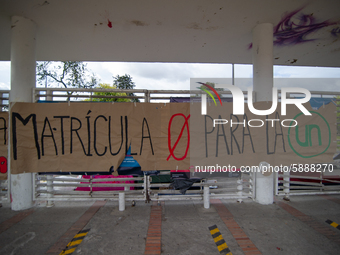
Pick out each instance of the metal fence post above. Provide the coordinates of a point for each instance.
(144, 187)
(252, 182)
(147, 96)
(147, 188)
(49, 95)
(34, 95)
(240, 189)
(286, 179)
(49, 183)
(276, 183)
(148, 192)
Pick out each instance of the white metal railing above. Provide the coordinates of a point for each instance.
(163, 191)
(306, 183)
(77, 94)
(74, 94)
(68, 187)
(72, 187)
(248, 181)
(216, 187)
(3, 191)
(4, 99)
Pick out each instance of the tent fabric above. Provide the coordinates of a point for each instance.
(182, 184)
(317, 102)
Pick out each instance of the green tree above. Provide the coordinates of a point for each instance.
(108, 95)
(125, 82)
(69, 74)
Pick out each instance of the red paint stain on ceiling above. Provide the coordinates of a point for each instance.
(109, 23)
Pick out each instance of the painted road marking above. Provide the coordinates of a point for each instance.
(75, 228)
(241, 238)
(77, 239)
(310, 221)
(219, 241)
(333, 224)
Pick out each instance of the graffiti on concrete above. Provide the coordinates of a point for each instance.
(335, 31)
(296, 27)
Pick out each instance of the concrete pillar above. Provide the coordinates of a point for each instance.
(264, 185)
(23, 73)
(262, 53)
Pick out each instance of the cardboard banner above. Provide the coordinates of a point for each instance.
(3, 145)
(246, 140)
(93, 137)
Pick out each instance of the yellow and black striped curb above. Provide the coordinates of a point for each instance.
(77, 239)
(219, 241)
(333, 224)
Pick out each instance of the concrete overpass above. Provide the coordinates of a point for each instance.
(263, 33)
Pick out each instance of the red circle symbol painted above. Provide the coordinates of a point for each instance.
(3, 165)
(172, 148)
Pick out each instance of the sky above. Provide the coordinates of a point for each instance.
(176, 76)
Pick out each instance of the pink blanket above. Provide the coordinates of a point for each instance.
(105, 177)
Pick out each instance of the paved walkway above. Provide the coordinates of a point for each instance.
(305, 225)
